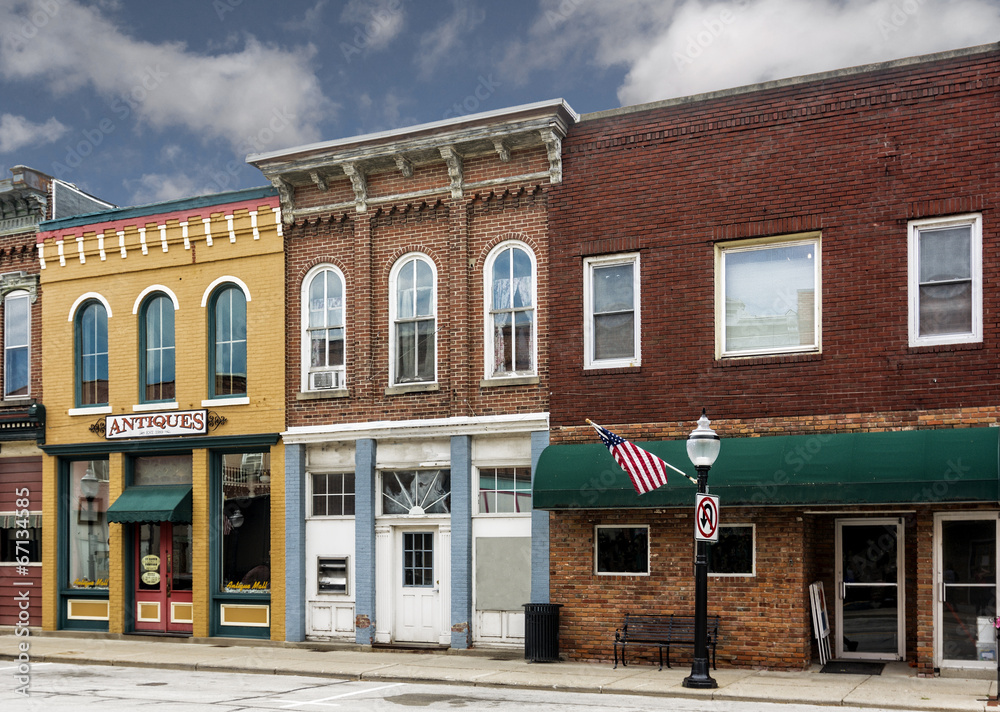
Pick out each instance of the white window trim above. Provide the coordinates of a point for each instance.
(393, 275)
(488, 373)
(309, 496)
(475, 491)
(814, 238)
(306, 369)
(649, 550)
(753, 551)
(589, 263)
(913, 252)
(16, 294)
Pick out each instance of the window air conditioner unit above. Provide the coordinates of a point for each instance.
(325, 380)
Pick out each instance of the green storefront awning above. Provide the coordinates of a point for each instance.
(152, 503)
(912, 467)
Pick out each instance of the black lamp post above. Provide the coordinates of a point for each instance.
(703, 448)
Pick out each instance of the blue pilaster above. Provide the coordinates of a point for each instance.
(295, 543)
(539, 530)
(364, 538)
(461, 541)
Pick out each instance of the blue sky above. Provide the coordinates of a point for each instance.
(137, 101)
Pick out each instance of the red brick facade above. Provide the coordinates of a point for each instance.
(852, 156)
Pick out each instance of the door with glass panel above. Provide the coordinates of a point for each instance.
(870, 600)
(163, 576)
(419, 600)
(965, 578)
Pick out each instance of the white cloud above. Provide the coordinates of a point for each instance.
(670, 49)
(17, 132)
(159, 187)
(446, 39)
(259, 92)
(375, 23)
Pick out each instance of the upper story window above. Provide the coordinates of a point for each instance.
(611, 311)
(945, 280)
(16, 344)
(413, 320)
(323, 315)
(228, 340)
(768, 296)
(510, 306)
(92, 354)
(157, 374)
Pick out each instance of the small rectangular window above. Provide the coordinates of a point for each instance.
(733, 553)
(622, 550)
(504, 490)
(945, 280)
(333, 494)
(331, 575)
(611, 311)
(14, 547)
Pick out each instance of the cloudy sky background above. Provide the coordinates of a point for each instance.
(138, 101)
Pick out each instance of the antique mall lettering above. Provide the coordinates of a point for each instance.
(191, 422)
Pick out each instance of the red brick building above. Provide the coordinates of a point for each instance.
(810, 260)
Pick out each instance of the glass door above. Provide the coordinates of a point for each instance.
(870, 610)
(965, 574)
(163, 577)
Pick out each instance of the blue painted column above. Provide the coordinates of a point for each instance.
(539, 529)
(295, 543)
(364, 541)
(461, 541)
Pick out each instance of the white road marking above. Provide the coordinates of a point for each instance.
(338, 697)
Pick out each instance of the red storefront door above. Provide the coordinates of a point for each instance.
(163, 578)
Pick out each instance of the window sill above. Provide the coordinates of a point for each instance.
(91, 410)
(509, 381)
(589, 372)
(144, 407)
(322, 395)
(412, 388)
(219, 402)
(765, 360)
(944, 348)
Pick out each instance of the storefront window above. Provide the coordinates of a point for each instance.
(622, 550)
(733, 553)
(88, 524)
(246, 522)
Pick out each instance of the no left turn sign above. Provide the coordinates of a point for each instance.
(706, 517)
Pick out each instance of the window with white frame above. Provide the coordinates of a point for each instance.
(621, 550)
(945, 280)
(16, 344)
(323, 314)
(510, 311)
(733, 553)
(332, 494)
(768, 296)
(158, 365)
(91, 326)
(413, 320)
(611, 311)
(504, 490)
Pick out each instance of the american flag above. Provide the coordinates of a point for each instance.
(646, 470)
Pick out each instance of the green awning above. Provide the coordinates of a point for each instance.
(911, 467)
(153, 503)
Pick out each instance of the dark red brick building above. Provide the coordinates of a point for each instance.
(813, 261)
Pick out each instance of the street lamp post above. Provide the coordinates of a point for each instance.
(703, 448)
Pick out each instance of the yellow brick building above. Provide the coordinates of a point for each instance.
(163, 368)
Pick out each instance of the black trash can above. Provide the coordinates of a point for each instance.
(541, 632)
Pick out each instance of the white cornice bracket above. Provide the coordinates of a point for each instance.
(320, 180)
(454, 162)
(553, 146)
(404, 164)
(502, 149)
(286, 196)
(359, 184)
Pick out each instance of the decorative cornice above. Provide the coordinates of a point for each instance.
(320, 180)
(405, 429)
(19, 281)
(359, 184)
(454, 162)
(553, 146)
(502, 147)
(404, 164)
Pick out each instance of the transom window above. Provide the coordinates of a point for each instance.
(510, 293)
(768, 298)
(158, 365)
(92, 350)
(229, 341)
(324, 318)
(945, 267)
(504, 490)
(17, 339)
(611, 311)
(413, 305)
(416, 492)
(332, 494)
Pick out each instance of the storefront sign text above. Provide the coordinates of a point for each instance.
(151, 425)
(233, 586)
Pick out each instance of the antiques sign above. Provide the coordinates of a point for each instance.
(151, 425)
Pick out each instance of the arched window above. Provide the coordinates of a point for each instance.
(92, 354)
(413, 319)
(16, 344)
(324, 338)
(157, 372)
(510, 311)
(228, 338)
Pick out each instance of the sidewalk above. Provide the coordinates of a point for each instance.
(896, 688)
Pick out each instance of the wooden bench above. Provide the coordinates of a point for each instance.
(662, 631)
